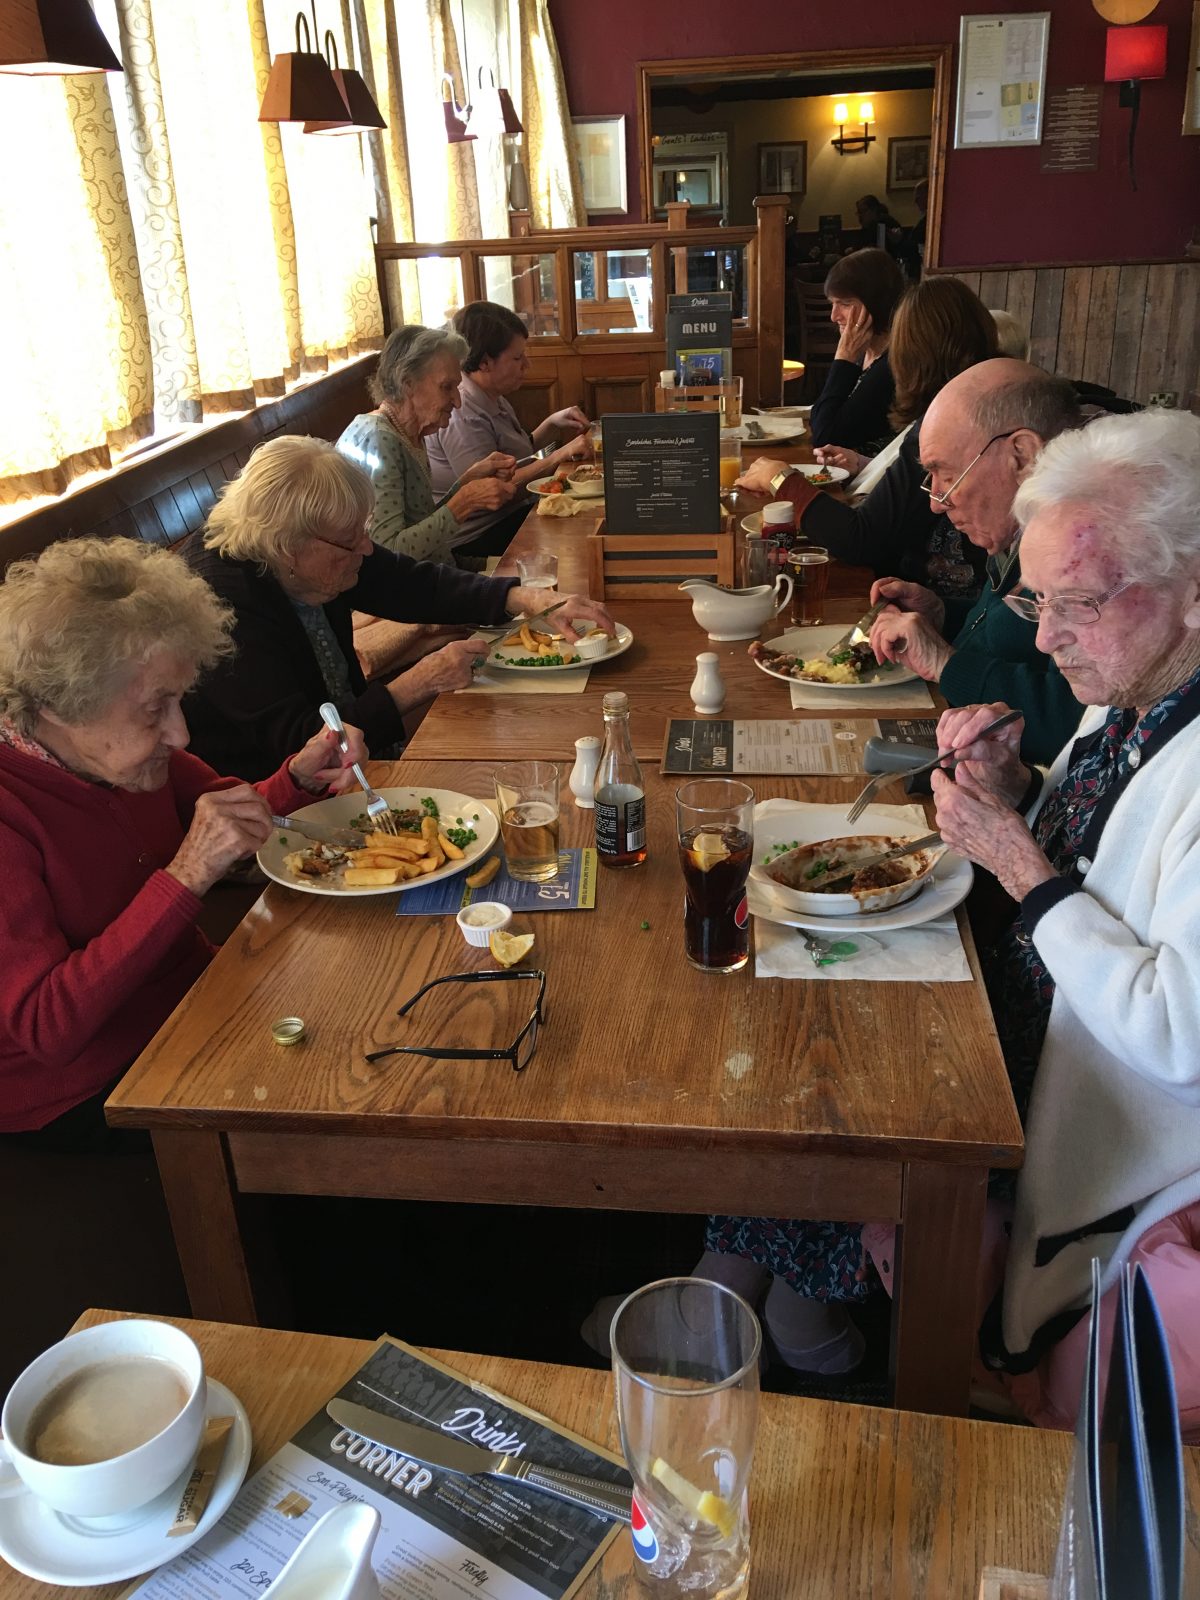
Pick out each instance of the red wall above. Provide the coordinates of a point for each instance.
(998, 204)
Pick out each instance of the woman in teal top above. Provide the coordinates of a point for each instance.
(415, 388)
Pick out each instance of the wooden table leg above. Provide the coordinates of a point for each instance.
(936, 1314)
(198, 1183)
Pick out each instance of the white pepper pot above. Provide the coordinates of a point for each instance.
(708, 687)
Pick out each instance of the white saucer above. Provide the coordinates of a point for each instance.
(44, 1544)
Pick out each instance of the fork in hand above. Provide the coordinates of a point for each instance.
(378, 809)
(873, 787)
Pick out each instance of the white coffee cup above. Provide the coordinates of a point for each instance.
(122, 1483)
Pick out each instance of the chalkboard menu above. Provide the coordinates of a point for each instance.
(700, 336)
(661, 473)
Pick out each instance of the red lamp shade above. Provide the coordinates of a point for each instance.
(1135, 53)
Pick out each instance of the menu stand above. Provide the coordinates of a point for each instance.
(650, 566)
(999, 1583)
(725, 397)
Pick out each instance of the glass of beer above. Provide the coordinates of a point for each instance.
(596, 440)
(809, 567)
(715, 818)
(527, 797)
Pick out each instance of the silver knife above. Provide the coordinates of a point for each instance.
(859, 632)
(908, 848)
(456, 1455)
(343, 838)
(516, 622)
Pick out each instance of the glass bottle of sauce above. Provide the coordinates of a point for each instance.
(620, 791)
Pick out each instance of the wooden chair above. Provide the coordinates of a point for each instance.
(818, 337)
(640, 566)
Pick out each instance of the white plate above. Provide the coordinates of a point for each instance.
(811, 469)
(778, 430)
(510, 654)
(949, 883)
(803, 412)
(810, 642)
(457, 811)
(44, 1544)
(540, 486)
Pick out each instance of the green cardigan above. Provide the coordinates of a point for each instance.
(995, 658)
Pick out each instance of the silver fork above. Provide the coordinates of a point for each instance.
(378, 809)
(873, 787)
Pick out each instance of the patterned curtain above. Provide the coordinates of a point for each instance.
(77, 370)
(556, 194)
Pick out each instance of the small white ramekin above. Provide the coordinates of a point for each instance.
(592, 649)
(479, 936)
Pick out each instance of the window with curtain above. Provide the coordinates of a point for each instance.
(165, 258)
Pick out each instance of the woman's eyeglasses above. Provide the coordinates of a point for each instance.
(519, 1053)
(1076, 610)
(943, 499)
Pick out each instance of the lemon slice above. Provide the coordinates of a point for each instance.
(508, 948)
(703, 1504)
(708, 849)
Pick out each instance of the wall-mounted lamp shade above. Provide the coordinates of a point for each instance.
(1124, 10)
(512, 123)
(301, 87)
(456, 128)
(841, 112)
(1135, 53)
(364, 113)
(42, 38)
(866, 111)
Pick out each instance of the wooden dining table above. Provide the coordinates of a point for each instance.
(845, 1501)
(654, 1087)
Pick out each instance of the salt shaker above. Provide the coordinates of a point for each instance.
(708, 687)
(583, 773)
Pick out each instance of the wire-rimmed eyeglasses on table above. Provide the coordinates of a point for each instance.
(519, 1053)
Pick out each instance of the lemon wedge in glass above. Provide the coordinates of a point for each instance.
(703, 1504)
(508, 948)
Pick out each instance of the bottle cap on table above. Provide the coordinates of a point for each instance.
(288, 1030)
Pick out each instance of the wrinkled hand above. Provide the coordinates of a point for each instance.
(905, 636)
(570, 421)
(855, 336)
(837, 455)
(757, 476)
(980, 826)
(498, 465)
(910, 597)
(486, 494)
(995, 762)
(451, 667)
(577, 449)
(577, 607)
(227, 825)
(320, 765)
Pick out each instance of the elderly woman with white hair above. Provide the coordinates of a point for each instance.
(416, 391)
(110, 832)
(289, 549)
(1095, 986)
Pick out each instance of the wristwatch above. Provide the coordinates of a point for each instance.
(779, 477)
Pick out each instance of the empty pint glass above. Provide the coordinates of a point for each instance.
(685, 1360)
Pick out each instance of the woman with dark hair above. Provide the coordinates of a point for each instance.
(494, 366)
(862, 290)
(939, 330)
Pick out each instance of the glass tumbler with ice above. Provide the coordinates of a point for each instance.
(685, 1358)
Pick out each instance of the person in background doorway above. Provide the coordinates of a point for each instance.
(910, 248)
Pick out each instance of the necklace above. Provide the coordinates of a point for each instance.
(415, 447)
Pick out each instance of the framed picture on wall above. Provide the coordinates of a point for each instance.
(600, 153)
(908, 162)
(1191, 104)
(783, 168)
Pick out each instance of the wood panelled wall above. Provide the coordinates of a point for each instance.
(1134, 329)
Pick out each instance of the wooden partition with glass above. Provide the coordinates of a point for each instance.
(594, 301)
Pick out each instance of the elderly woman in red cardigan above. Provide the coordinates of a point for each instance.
(110, 833)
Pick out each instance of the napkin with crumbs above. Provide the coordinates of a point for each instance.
(931, 952)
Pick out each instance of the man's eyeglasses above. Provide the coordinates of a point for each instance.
(1076, 610)
(519, 1053)
(942, 499)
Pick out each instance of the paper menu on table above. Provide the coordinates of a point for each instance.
(715, 747)
(443, 1536)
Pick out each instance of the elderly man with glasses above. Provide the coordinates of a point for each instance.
(980, 437)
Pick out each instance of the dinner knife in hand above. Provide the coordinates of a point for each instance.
(908, 848)
(343, 838)
(438, 1449)
(858, 633)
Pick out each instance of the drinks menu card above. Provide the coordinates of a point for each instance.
(443, 1536)
(661, 473)
(712, 747)
(572, 889)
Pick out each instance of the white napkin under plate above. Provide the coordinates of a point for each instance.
(531, 682)
(912, 696)
(930, 952)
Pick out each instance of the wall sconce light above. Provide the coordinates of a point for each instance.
(363, 114)
(301, 87)
(49, 38)
(853, 141)
(1131, 54)
(456, 115)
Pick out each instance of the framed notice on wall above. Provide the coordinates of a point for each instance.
(1001, 79)
(1191, 104)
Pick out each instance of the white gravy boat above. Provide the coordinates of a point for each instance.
(736, 613)
(333, 1560)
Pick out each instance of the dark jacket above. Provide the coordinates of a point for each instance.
(853, 406)
(995, 658)
(892, 531)
(261, 705)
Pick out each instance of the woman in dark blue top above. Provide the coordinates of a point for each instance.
(862, 290)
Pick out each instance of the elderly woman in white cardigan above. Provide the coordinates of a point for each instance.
(1096, 984)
